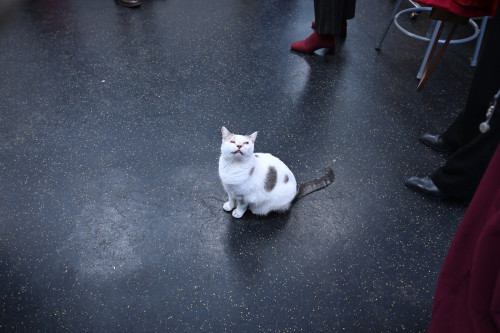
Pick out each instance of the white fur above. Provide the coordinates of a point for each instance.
(246, 188)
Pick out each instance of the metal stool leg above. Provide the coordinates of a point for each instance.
(428, 71)
(394, 12)
(473, 63)
(437, 27)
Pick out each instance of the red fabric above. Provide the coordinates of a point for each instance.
(467, 297)
(465, 8)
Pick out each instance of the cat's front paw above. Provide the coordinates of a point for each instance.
(237, 214)
(228, 206)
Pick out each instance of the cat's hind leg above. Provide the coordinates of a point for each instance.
(260, 210)
(265, 209)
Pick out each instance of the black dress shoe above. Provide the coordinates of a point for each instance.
(129, 3)
(436, 142)
(426, 187)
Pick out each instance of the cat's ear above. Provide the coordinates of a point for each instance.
(253, 136)
(225, 133)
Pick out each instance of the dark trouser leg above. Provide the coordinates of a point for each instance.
(453, 135)
(463, 171)
(329, 15)
(465, 127)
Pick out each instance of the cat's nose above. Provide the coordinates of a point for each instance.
(239, 146)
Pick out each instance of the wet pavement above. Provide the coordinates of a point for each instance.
(111, 206)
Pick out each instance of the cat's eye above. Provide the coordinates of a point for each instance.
(246, 143)
(232, 141)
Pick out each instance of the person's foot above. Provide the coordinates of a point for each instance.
(129, 3)
(436, 142)
(343, 30)
(426, 187)
(314, 42)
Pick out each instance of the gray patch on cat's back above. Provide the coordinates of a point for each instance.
(256, 155)
(251, 171)
(271, 178)
(286, 179)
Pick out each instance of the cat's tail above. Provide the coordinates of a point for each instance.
(314, 185)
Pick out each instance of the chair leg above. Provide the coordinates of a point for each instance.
(473, 62)
(388, 26)
(432, 34)
(428, 71)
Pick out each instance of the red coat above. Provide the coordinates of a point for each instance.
(465, 8)
(467, 297)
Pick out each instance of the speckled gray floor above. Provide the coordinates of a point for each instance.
(111, 213)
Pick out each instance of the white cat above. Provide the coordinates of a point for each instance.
(259, 181)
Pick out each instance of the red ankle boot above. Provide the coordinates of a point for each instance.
(314, 42)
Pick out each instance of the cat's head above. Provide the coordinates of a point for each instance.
(237, 146)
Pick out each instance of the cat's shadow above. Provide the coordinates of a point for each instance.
(254, 226)
(252, 238)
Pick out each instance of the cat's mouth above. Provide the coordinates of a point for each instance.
(238, 152)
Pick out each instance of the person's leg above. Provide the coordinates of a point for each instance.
(461, 174)
(459, 177)
(464, 169)
(465, 127)
(450, 140)
(328, 16)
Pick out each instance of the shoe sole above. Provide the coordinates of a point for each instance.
(127, 5)
(434, 147)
